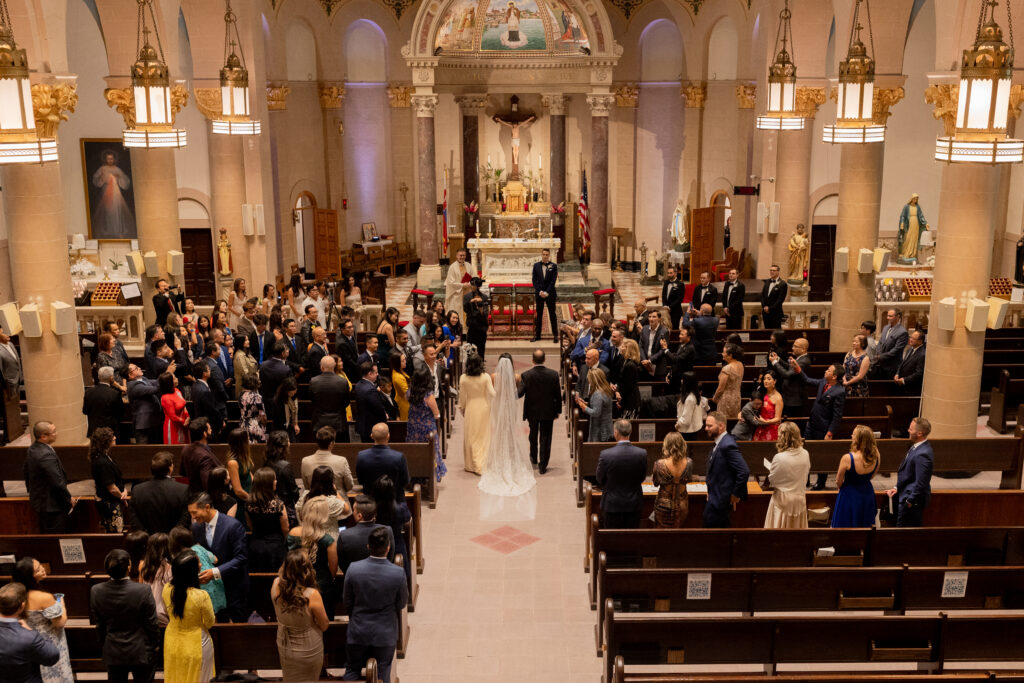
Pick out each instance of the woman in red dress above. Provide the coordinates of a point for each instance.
(175, 415)
(771, 410)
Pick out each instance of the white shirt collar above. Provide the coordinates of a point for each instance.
(719, 438)
(212, 524)
(922, 441)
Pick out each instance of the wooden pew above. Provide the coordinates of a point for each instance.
(928, 643)
(1006, 397)
(951, 455)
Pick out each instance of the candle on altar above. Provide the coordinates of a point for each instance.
(540, 163)
(538, 226)
(488, 159)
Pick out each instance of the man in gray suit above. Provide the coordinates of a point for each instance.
(10, 370)
(144, 403)
(891, 343)
(125, 618)
(375, 594)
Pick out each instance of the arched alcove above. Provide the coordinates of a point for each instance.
(366, 53)
(661, 52)
(300, 49)
(722, 51)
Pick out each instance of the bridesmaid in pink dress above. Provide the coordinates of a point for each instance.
(771, 410)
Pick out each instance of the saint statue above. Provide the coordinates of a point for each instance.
(515, 126)
(912, 224)
(680, 227)
(224, 253)
(799, 248)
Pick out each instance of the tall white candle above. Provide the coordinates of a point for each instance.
(488, 159)
(540, 163)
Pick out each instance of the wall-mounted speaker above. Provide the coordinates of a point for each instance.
(997, 312)
(976, 319)
(175, 263)
(773, 218)
(258, 219)
(10, 321)
(62, 318)
(31, 324)
(762, 218)
(843, 260)
(152, 265)
(882, 259)
(865, 261)
(946, 314)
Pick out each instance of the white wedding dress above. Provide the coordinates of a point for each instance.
(508, 489)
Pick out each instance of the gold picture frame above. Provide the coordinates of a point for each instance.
(370, 232)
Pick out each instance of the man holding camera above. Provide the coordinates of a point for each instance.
(164, 303)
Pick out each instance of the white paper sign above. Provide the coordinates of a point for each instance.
(698, 586)
(761, 360)
(744, 337)
(954, 585)
(767, 465)
(646, 432)
(72, 551)
(645, 391)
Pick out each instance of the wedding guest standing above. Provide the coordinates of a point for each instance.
(598, 406)
(477, 306)
(855, 503)
(671, 474)
(691, 408)
(621, 471)
(788, 476)
(856, 366)
(914, 477)
(423, 416)
(301, 618)
(22, 651)
(111, 494)
(188, 648)
(46, 481)
(732, 300)
(176, 418)
(773, 295)
(727, 474)
(730, 379)
(672, 295)
(126, 624)
(47, 615)
(545, 274)
(475, 394)
(541, 405)
(320, 543)
(771, 410)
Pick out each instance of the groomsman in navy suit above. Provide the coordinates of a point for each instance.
(914, 477)
(727, 474)
(223, 536)
(545, 273)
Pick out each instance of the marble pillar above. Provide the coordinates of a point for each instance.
(743, 219)
(156, 213)
(853, 293)
(952, 376)
(38, 240)
(555, 105)
(426, 204)
(471, 107)
(694, 96)
(332, 96)
(597, 190)
(227, 194)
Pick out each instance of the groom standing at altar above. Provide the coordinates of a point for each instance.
(456, 284)
(545, 273)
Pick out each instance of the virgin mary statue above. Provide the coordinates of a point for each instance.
(912, 223)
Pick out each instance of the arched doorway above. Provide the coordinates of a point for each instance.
(302, 218)
(724, 229)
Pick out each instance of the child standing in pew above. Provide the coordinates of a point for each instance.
(182, 540)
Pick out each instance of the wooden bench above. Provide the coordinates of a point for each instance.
(1005, 399)
(931, 643)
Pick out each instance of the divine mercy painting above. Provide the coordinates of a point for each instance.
(109, 195)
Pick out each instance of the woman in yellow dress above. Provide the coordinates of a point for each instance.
(188, 649)
(475, 393)
(400, 381)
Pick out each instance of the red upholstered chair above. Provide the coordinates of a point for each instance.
(417, 293)
(502, 308)
(525, 302)
(599, 306)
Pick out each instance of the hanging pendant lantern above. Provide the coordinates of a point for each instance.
(781, 113)
(19, 142)
(855, 104)
(234, 84)
(151, 87)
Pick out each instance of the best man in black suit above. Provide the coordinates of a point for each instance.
(102, 403)
(732, 300)
(727, 474)
(126, 626)
(203, 402)
(160, 504)
(672, 294)
(329, 396)
(910, 373)
(621, 471)
(223, 536)
(545, 274)
(704, 293)
(543, 394)
(773, 295)
(347, 349)
(46, 481)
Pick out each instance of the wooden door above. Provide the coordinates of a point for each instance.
(200, 285)
(325, 242)
(705, 240)
(821, 262)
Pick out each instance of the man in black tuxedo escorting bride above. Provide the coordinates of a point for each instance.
(542, 404)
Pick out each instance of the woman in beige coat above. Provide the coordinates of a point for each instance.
(788, 476)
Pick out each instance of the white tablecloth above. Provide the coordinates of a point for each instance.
(379, 243)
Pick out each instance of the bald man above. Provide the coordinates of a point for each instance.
(329, 395)
(705, 324)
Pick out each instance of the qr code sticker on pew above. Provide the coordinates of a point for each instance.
(72, 551)
(698, 586)
(954, 584)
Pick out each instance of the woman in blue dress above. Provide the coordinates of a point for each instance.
(423, 416)
(855, 503)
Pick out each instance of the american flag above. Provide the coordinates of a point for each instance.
(444, 214)
(584, 219)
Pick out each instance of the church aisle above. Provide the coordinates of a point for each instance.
(500, 601)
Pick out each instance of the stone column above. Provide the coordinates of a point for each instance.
(952, 377)
(742, 225)
(426, 205)
(471, 106)
(555, 105)
(399, 101)
(694, 95)
(332, 95)
(597, 190)
(860, 177)
(38, 243)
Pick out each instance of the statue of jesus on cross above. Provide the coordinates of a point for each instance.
(515, 123)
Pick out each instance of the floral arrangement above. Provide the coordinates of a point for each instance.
(472, 208)
(558, 209)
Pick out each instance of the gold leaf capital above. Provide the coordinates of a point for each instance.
(400, 96)
(808, 100)
(123, 101)
(745, 95)
(884, 100)
(696, 94)
(331, 96)
(627, 96)
(51, 104)
(208, 101)
(943, 97)
(277, 97)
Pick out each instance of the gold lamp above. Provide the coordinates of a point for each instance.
(984, 100)
(234, 84)
(19, 143)
(781, 113)
(151, 87)
(854, 113)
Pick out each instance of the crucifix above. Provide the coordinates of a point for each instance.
(516, 122)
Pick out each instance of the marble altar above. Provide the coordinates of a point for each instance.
(507, 259)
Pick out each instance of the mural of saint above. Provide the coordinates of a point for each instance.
(569, 34)
(458, 26)
(513, 25)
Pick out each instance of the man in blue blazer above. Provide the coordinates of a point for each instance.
(375, 594)
(545, 273)
(727, 474)
(621, 471)
(22, 650)
(370, 405)
(224, 537)
(705, 325)
(914, 477)
(827, 411)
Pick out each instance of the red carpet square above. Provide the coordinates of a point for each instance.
(505, 540)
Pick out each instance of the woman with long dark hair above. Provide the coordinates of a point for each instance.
(155, 571)
(284, 409)
(301, 618)
(188, 649)
(277, 459)
(476, 391)
(423, 416)
(321, 485)
(106, 475)
(400, 381)
(218, 485)
(244, 362)
(691, 409)
(269, 521)
(45, 614)
(240, 464)
(386, 334)
(176, 416)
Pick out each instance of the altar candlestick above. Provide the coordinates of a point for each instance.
(540, 163)
(488, 160)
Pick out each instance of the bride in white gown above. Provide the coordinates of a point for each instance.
(508, 489)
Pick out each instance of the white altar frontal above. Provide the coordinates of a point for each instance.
(508, 260)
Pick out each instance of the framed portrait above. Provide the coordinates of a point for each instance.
(370, 232)
(109, 190)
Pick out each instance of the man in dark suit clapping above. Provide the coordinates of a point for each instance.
(621, 471)
(543, 404)
(732, 300)
(727, 474)
(203, 401)
(910, 373)
(223, 536)
(545, 274)
(773, 295)
(672, 294)
(654, 354)
(125, 616)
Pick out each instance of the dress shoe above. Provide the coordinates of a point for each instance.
(533, 462)
(535, 339)
(542, 469)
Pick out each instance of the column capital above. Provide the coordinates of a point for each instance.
(123, 100)
(884, 99)
(277, 96)
(208, 102)
(331, 95)
(808, 100)
(695, 93)
(555, 104)
(944, 96)
(398, 95)
(424, 105)
(601, 104)
(471, 105)
(626, 96)
(51, 104)
(746, 94)
(1016, 98)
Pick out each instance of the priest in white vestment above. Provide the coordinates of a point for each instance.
(456, 285)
